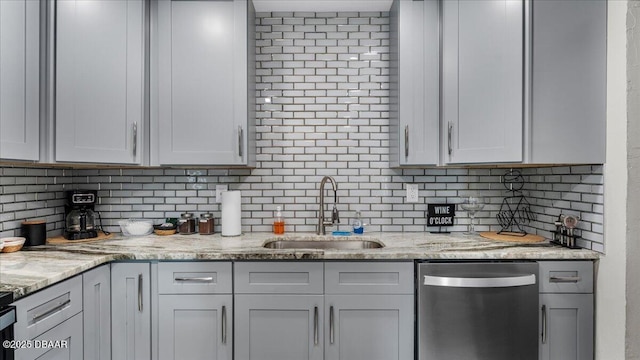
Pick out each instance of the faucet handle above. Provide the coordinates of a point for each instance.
(335, 217)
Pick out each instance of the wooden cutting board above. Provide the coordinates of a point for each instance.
(529, 238)
(58, 240)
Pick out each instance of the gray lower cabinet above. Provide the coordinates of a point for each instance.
(195, 310)
(567, 326)
(566, 310)
(195, 327)
(96, 298)
(369, 327)
(63, 342)
(204, 114)
(99, 79)
(330, 310)
(130, 311)
(482, 80)
(51, 314)
(20, 74)
(279, 327)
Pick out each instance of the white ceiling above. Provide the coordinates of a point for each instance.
(321, 5)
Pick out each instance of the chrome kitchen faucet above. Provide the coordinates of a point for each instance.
(334, 213)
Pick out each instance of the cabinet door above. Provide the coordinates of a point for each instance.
(62, 342)
(130, 311)
(369, 327)
(566, 326)
(202, 82)
(20, 74)
(195, 327)
(483, 80)
(415, 115)
(96, 296)
(278, 327)
(569, 81)
(99, 80)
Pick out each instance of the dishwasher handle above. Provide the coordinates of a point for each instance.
(489, 282)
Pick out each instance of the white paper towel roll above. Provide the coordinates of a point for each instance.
(231, 213)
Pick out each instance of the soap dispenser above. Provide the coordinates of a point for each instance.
(278, 222)
(358, 225)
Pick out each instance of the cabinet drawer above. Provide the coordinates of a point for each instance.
(368, 278)
(45, 309)
(64, 341)
(566, 276)
(194, 278)
(278, 278)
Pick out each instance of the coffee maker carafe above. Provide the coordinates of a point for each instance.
(80, 217)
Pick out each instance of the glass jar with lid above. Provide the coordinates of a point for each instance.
(206, 224)
(187, 224)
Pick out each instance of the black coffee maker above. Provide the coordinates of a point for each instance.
(79, 214)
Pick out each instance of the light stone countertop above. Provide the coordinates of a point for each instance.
(31, 269)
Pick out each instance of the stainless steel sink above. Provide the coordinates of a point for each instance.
(323, 244)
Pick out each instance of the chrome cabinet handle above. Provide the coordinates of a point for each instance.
(564, 279)
(406, 140)
(449, 138)
(224, 324)
(331, 328)
(240, 141)
(135, 138)
(544, 324)
(194, 279)
(59, 307)
(315, 326)
(140, 292)
(510, 281)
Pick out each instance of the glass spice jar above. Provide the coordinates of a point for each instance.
(187, 224)
(206, 224)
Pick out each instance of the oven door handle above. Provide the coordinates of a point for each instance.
(490, 282)
(7, 317)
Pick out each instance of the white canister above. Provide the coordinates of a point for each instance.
(231, 213)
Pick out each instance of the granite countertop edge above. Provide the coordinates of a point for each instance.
(35, 268)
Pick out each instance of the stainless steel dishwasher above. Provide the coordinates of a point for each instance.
(477, 311)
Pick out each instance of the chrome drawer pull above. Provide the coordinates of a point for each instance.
(224, 324)
(331, 325)
(195, 279)
(140, 292)
(564, 279)
(35, 318)
(544, 324)
(315, 326)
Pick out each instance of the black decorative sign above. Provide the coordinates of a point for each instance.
(440, 214)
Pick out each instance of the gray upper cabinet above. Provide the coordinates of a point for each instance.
(568, 79)
(99, 88)
(482, 65)
(204, 106)
(130, 311)
(415, 78)
(20, 75)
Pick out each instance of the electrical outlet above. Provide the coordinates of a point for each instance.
(219, 190)
(412, 193)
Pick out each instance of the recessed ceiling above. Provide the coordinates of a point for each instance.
(321, 5)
